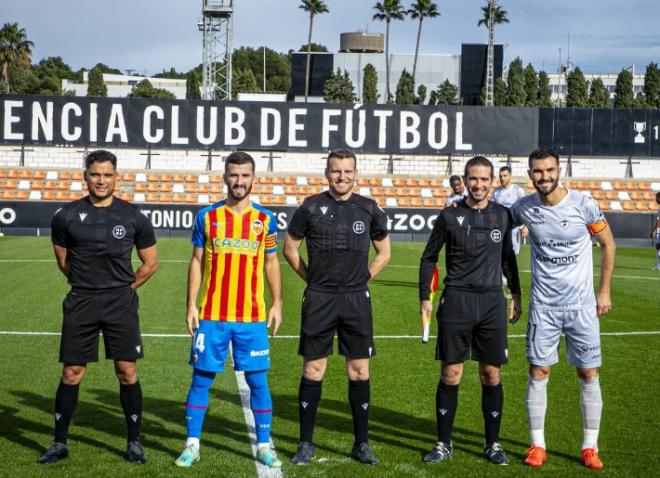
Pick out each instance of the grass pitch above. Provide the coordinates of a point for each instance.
(403, 376)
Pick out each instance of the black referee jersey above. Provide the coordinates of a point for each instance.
(338, 235)
(100, 242)
(478, 249)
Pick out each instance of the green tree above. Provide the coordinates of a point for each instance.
(53, 66)
(447, 94)
(193, 83)
(624, 95)
(531, 86)
(103, 68)
(652, 85)
(314, 47)
(145, 89)
(544, 93)
(339, 89)
(386, 11)
(14, 48)
(421, 9)
(369, 85)
(243, 82)
(405, 89)
(422, 91)
(313, 8)
(172, 73)
(599, 97)
(577, 90)
(640, 101)
(278, 66)
(515, 91)
(499, 92)
(95, 84)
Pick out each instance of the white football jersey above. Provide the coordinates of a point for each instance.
(507, 196)
(562, 263)
(453, 197)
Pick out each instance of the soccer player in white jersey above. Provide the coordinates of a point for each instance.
(655, 233)
(458, 190)
(506, 194)
(561, 224)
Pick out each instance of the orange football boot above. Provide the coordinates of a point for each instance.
(536, 456)
(590, 459)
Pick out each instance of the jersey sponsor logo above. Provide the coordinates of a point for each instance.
(358, 227)
(590, 348)
(237, 246)
(259, 353)
(119, 232)
(257, 227)
(82, 216)
(558, 261)
(553, 243)
(324, 209)
(460, 220)
(496, 235)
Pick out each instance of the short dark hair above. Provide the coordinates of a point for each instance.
(478, 161)
(239, 157)
(542, 153)
(341, 154)
(505, 168)
(657, 197)
(100, 156)
(454, 178)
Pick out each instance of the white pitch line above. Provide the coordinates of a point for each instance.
(394, 266)
(416, 337)
(244, 391)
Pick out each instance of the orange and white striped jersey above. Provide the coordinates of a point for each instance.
(232, 288)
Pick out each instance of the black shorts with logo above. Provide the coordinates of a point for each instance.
(347, 313)
(472, 325)
(114, 313)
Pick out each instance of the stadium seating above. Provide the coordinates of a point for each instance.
(290, 190)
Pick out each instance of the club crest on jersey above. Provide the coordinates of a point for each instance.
(358, 227)
(257, 227)
(119, 232)
(564, 224)
(496, 235)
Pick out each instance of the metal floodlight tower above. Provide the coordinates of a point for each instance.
(490, 57)
(217, 30)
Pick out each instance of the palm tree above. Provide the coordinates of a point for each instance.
(388, 10)
(14, 46)
(492, 15)
(313, 7)
(422, 9)
(499, 16)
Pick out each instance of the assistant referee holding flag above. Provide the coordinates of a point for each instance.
(93, 239)
(476, 234)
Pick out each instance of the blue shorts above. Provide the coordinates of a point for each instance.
(249, 346)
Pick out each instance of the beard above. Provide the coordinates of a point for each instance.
(553, 186)
(237, 197)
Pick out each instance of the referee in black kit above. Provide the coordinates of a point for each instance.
(472, 312)
(93, 239)
(339, 227)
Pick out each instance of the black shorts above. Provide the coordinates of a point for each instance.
(348, 313)
(472, 325)
(113, 313)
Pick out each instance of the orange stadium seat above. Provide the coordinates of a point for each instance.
(289, 181)
(128, 177)
(190, 188)
(416, 202)
(65, 175)
(37, 184)
(22, 195)
(631, 186)
(628, 205)
(362, 182)
(165, 188)
(153, 178)
(165, 197)
(389, 192)
(203, 188)
(303, 190)
(604, 205)
(439, 193)
(414, 192)
(314, 181)
(594, 185)
(290, 190)
(126, 196)
(11, 184)
(648, 196)
(9, 194)
(399, 183)
(74, 196)
(435, 183)
(264, 180)
(215, 179)
(25, 174)
(643, 186)
(404, 202)
(63, 185)
(76, 176)
(265, 200)
(619, 186)
(216, 188)
(47, 196)
(178, 178)
(652, 205)
(190, 198)
(278, 200)
(428, 202)
(636, 196)
(140, 187)
(598, 195)
(213, 198)
(151, 197)
(276, 180)
(315, 190)
(190, 178)
(568, 184)
(3, 173)
(61, 196)
(152, 187)
(374, 182)
(13, 174)
(177, 198)
(611, 196)
(640, 206)
(380, 201)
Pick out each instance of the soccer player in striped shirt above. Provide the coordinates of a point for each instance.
(234, 242)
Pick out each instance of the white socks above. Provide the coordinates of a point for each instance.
(537, 403)
(192, 441)
(591, 404)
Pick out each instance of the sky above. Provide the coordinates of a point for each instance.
(149, 36)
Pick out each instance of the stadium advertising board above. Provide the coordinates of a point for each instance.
(28, 214)
(254, 126)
